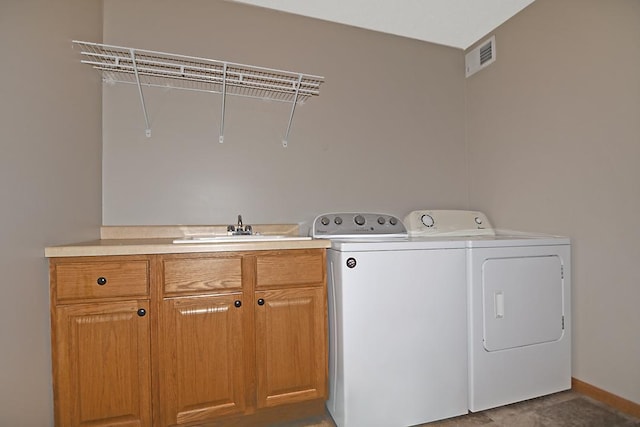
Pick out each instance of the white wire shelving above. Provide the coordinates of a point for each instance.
(146, 68)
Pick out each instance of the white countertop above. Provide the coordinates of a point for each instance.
(143, 240)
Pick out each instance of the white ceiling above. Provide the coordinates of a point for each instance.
(456, 23)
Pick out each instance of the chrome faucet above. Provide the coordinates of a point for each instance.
(239, 229)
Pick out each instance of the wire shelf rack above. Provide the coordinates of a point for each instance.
(147, 68)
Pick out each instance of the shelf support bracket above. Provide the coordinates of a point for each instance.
(224, 101)
(147, 130)
(285, 141)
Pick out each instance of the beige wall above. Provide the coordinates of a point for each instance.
(50, 177)
(385, 134)
(554, 142)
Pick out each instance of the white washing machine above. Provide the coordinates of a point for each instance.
(519, 307)
(397, 323)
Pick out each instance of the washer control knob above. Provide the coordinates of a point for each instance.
(381, 220)
(338, 220)
(427, 220)
(324, 220)
(478, 220)
(359, 219)
(393, 220)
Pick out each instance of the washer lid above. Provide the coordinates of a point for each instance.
(448, 223)
(395, 244)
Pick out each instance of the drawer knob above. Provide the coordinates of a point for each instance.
(260, 301)
(237, 303)
(101, 281)
(142, 312)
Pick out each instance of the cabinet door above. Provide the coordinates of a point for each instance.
(291, 345)
(201, 358)
(101, 364)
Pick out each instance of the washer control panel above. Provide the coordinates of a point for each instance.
(354, 224)
(448, 223)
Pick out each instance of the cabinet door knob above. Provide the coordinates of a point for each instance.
(237, 303)
(142, 312)
(101, 281)
(260, 301)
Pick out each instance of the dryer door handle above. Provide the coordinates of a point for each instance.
(498, 300)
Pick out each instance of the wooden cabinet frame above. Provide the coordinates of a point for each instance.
(292, 284)
(199, 339)
(100, 341)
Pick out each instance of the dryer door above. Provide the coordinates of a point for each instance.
(522, 301)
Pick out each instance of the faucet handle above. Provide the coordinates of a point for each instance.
(231, 228)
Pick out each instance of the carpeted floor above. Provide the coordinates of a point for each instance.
(566, 409)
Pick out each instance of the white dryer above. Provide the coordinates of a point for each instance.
(519, 307)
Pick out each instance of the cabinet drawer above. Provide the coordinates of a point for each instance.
(290, 268)
(202, 275)
(104, 279)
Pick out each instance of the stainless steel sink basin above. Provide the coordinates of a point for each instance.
(239, 238)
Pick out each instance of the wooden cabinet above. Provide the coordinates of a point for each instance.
(240, 334)
(201, 359)
(290, 346)
(101, 342)
(290, 327)
(226, 338)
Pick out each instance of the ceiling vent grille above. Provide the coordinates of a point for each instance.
(480, 57)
